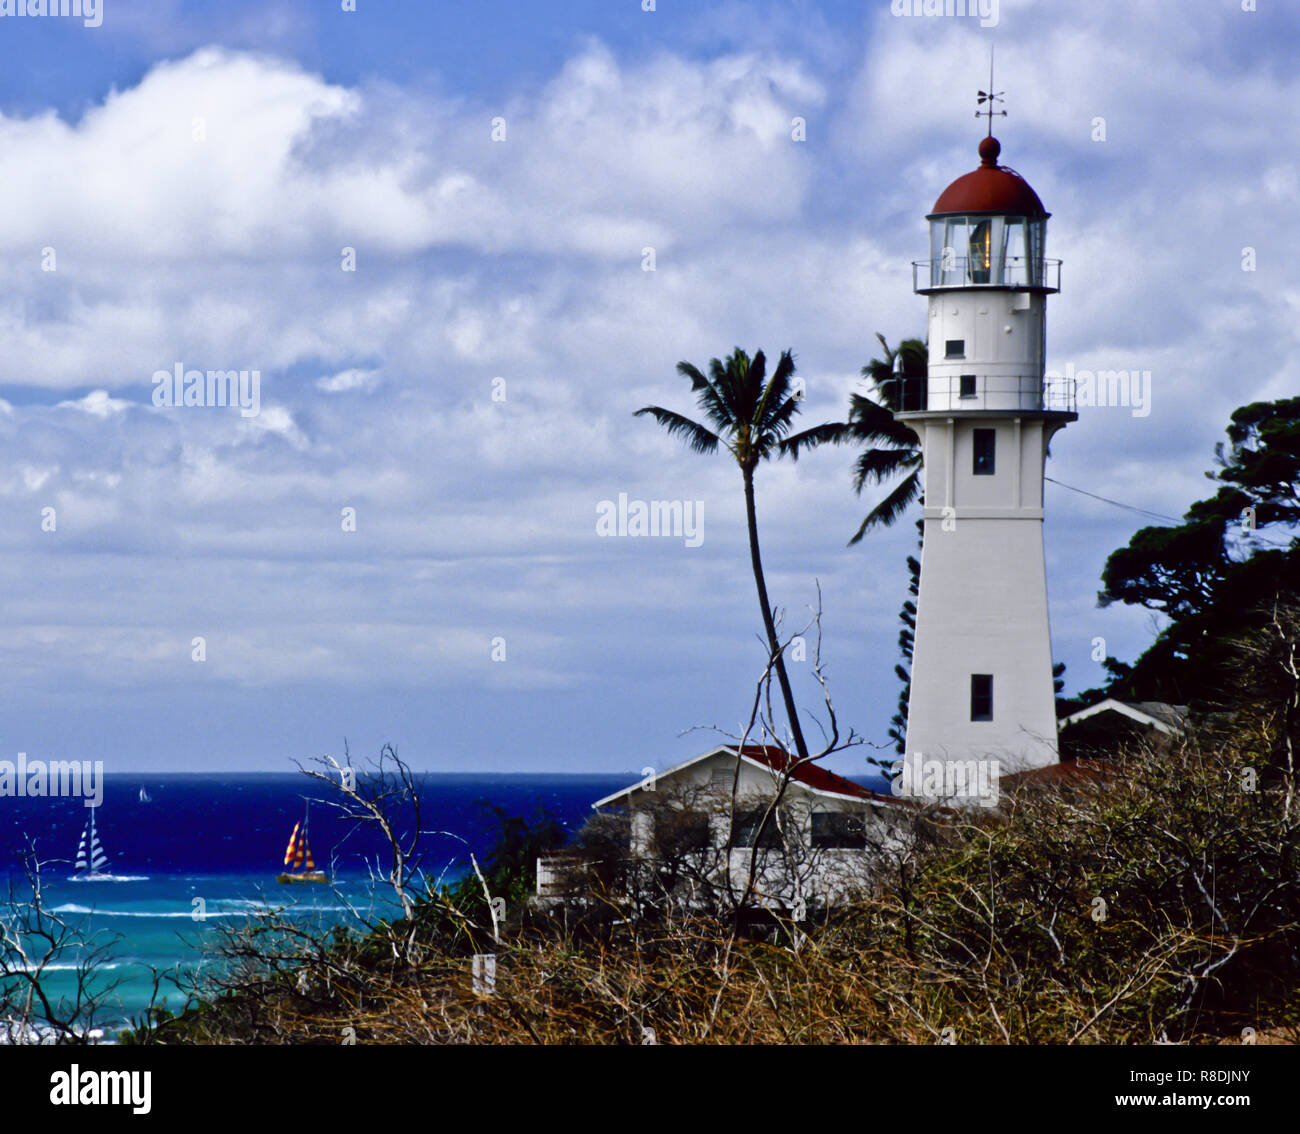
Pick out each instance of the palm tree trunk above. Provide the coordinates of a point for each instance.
(773, 646)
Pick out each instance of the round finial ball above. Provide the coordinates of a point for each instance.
(990, 147)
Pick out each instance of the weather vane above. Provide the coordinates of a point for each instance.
(990, 96)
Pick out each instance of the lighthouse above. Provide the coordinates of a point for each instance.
(981, 682)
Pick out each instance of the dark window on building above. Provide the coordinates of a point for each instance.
(954, 348)
(838, 829)
(679, 831)
(981, 696)
(745, 826)
(610, 828)
(968, 385)
(985, 440)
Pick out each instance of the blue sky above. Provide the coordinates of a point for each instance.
(522, 260)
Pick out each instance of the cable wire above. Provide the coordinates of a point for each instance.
(1107, 500)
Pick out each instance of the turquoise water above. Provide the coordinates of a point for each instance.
(202, 855)
(170, 923)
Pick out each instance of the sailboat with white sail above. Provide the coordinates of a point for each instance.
(91, 858)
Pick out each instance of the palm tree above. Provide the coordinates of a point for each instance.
(751, 416)
(893, 449)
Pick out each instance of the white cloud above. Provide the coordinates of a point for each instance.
(521, 260)
(97, 403)
(348, 380)
(276, 420)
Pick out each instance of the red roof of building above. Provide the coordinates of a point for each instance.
(810, 774)
(1067, 771)
(991, 188)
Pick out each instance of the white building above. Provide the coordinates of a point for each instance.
(829, 837)
(981, 683)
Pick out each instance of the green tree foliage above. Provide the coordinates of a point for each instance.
(1262, 459)
(891, 449)
(1218, 572)
(510, 867)
(906, 640)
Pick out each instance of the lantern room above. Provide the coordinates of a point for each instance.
(987, 280)
(988, 229)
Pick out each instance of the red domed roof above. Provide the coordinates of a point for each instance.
(991, 188)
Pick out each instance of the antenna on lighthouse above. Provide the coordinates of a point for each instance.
(990, 96)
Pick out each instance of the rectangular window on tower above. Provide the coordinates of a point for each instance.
(954, 348)
(981, 696)
(985, 440)
(968, 385)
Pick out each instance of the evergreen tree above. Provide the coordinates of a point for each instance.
(1215, 575)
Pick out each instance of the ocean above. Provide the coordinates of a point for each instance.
(213, 844)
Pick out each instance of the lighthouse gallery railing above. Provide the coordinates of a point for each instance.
(1004, 393)
(969, 271)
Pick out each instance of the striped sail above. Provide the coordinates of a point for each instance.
(297, 855)
(90, 854)
(304, 852)
(293, 852)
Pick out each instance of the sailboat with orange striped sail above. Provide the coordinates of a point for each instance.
(302, 867)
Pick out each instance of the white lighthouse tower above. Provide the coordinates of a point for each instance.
(981, 683)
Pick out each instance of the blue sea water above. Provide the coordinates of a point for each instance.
(214, 844)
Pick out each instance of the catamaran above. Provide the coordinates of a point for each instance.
(91, 858)
(299, 854)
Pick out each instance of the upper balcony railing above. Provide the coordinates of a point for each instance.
(1029, 393)
(969, 271)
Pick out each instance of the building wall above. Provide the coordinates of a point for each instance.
(1003, 332)
(982, 606)
(799, 870)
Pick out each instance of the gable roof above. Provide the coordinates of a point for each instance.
(1154, 714)
(809, 775)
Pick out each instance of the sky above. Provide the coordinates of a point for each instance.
(401, 544)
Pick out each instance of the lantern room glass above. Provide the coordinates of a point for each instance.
(994, 251)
